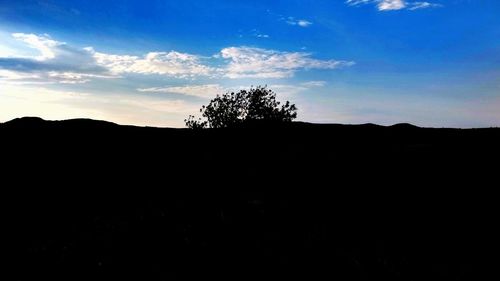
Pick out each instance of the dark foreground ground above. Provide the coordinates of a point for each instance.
(88, 200)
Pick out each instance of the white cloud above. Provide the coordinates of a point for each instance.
(8, 75)
(290, 91)
(55, 55)
(50, 77)
(284, 91)
(43, 44)
(359, 2)
(423, 5)
(258, 34)
(311, 84)
(74, 78)
(387, 5)
(304, 23)
(174, 64)
(300, 22)
(247, 62)
(212, 90)
(203, 91)
(57, 62)
(391, 5)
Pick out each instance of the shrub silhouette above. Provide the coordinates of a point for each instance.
(234, 109)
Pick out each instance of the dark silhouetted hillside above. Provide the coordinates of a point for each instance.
(92, 200)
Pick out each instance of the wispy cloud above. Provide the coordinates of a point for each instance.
(258, 34)
(313, 84)
(391, 5)
(290, 91)
(212, 90)
(203, 91)
(47, 77)
(298, 22)
(247, 62)
(358, 2)
(423, 5)
(262, 35)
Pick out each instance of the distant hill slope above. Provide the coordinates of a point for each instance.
(92, 200)
(36, 122)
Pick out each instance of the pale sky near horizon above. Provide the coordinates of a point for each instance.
(431, 63)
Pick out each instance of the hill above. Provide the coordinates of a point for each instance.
(92, 200)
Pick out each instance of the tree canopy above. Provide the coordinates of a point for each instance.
(236, 108)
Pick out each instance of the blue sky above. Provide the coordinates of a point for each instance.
(431, 63)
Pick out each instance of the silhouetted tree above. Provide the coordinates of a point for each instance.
(233, 109)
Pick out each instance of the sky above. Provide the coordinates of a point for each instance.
(153, 63)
